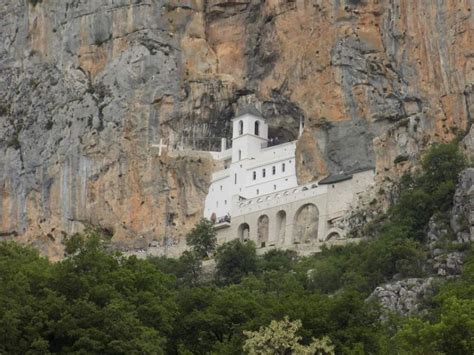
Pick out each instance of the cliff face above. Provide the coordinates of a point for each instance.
(88, 87)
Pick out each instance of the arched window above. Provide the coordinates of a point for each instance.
(241, 127)
(244, 232)
(257, 128)
(262, 230)
(274, 170)
(264, 173)
(240, 154)
(281, 226)
(283, 167)
(305, 225)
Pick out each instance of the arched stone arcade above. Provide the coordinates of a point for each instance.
(306, 223)
(333, 234)
(244, 232)
(262, 230)
(280, 226)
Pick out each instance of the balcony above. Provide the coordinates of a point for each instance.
(222, 222)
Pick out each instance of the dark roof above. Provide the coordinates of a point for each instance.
(249, 109)
(335, 178)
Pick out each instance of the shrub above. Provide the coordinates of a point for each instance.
(202, 238)
(235, 260)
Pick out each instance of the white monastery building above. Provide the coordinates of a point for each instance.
(257, 196)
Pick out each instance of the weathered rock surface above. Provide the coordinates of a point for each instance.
(462, 215)
(404, 297)
(88, 87)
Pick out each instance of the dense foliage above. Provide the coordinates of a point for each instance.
(96, 301)
(202, 238)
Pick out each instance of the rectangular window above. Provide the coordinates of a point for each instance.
(264, 173)
(254, 175)
(221, 187)
(235, 179)
(283, 167)
(274, 170)
(258, 191)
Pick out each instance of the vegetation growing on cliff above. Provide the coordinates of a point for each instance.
(96, 301)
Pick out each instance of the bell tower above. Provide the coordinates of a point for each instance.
(249, 135)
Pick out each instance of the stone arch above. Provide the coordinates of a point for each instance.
(334, 233)
(262, 230)
(305, 229)
(244, 232)
(281, 226)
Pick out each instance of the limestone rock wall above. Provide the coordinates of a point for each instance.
(88, 87)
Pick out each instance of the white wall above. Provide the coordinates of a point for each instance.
(219, 197)
(253, 158)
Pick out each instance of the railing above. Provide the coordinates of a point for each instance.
(280, 194)
(272, 142)
(211, 144)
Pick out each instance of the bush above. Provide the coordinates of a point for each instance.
(235, 260)
(277, 259)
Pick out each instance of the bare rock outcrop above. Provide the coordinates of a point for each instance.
(462, 214)
(404, 297)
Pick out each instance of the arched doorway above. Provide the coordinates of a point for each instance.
(244, 232)
(262, 230)
(333, 234)
(306, 224)
(281, 226)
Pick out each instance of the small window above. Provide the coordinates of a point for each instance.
(225, 202)
(258, 191)
(264, 172)
(274, 187)
(255, 175)
(257, 128)
(217, 203)
(240, 154)
(221, 187)
(235, 179)
(283, 167)
(241, 127)
(274, 170)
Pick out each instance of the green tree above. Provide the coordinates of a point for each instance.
(281, 338)
(453, 333)
(234, 260)
(202, 238)
(277, 259)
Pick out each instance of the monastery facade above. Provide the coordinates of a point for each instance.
(257, 197)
